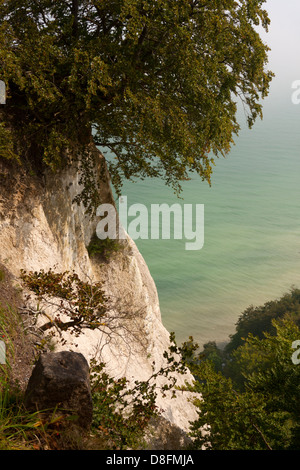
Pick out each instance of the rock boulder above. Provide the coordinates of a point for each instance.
(61, 380)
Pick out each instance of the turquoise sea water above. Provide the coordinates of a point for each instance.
(251, 252)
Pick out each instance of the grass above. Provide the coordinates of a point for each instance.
(9, 328)
(22, 429)
(19, 428)
(14, 420)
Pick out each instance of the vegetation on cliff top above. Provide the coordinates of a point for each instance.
(154, 82)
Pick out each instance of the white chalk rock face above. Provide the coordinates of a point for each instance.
(42, 228)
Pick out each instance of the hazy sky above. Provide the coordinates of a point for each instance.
(284, 39)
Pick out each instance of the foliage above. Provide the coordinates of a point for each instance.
(24, 430)
(83, 303)
(234, 421)
(212, 353)
(254, 321)
(8, 328)
(104, 248)
(267, 366)
(265, 414)
(11, 330)
(19, 428)
(257, 320)
(6, 144)
(153, 82)
(66, 303)
(121, 412)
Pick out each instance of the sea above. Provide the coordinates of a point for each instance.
(251, 250)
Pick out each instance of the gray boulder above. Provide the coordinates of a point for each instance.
(61, 380)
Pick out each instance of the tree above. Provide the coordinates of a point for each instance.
(256, 321)
(62, 302)
(74, 304)
(259, 320)
(154, 82)
(265, 414)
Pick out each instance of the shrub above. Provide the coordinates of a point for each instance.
(103, 248)
(122, 412)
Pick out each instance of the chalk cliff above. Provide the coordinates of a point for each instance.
(42, 228)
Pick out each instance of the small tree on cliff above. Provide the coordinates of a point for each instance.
(153, 81)
(65, 303)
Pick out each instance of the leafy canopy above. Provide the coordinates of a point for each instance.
(154, 82)
(265, 414)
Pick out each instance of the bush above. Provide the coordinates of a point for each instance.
(250, 390)
(103, 248)
(122, 412)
